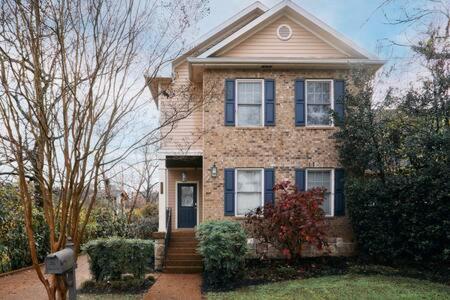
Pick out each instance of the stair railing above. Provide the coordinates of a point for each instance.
(168, 232)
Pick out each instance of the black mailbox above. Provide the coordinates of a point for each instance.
(59, 262)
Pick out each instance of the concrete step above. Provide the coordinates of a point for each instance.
(184, 263)
(183, 270)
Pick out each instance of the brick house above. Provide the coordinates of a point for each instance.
(267, 79)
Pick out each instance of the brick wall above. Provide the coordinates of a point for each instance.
(283, 147)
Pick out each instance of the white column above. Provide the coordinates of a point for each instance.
(162, 194)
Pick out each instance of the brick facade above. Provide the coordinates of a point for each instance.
(283, 146)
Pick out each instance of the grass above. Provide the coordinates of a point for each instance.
(349, 286)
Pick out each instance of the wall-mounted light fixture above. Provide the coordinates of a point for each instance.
(213, 170)
(183, 176)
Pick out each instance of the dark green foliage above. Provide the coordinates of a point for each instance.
(127, 285)
(110, 258)
(14, 251)
(398, 160)
(223, 245)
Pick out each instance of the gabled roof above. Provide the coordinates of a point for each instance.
(315, 25)
(223, 30)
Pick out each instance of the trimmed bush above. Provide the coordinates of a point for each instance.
(223, 245)
(112, 257)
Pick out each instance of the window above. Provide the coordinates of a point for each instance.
(319, 102)
(249, 95)
(322, 179)
(249, 190)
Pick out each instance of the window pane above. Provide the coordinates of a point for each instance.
(247, 202)
(187, 196)
(319, 114)
(319, 102)
(249, 180)
(249, 93)
(249, 115)
(322, 179)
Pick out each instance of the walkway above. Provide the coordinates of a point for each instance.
(176, 287)
(26, 285)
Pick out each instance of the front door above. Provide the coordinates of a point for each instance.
(187, 205)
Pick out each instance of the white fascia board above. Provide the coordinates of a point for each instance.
(273, 11)
(274, 61)
(205, 37)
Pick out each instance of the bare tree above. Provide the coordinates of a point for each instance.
(70, 74)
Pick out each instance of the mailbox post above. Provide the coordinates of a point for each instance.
(63, 263)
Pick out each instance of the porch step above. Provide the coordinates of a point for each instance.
(183, 269)
(182, 256)
(181, 250)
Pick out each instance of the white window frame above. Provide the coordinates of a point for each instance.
(332, 186)
(331, 99)
(236, 186)
(236, 107)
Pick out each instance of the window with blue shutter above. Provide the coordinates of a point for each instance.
(339, 197)
(229, 192)
(339, 95)
(269, 102)
(299, 102)
(230, 87)
(269, 182)
(300, 179)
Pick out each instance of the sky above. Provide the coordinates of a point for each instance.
(363, 21)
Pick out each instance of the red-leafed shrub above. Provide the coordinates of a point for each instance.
(296, 218)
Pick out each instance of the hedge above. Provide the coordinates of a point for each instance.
(110, 258)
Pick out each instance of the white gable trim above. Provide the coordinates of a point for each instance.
(273, 11)
(210, 34)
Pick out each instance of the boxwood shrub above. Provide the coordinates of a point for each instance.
(223, 245)
(111, 257)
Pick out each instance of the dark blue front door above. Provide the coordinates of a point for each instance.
(187, 205)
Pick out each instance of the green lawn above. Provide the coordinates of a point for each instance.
(342, 287)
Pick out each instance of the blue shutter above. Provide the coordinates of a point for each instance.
(339, 94)
(300, 179)
(269, 102)
(230, 87)
(300, 102)
(269, 182)
(229, 192)
(339, 197)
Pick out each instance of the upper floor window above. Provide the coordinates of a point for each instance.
(249, 190)
(249, 102)
(319, 102)
(320, 178)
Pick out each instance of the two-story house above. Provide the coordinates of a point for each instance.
(267, 80)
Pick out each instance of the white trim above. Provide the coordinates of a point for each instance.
(236, 104)
(331, 99)
(286, 61)
(222, 26)
(331, 183)
(273, 11)
(236, 189)
(290, 32)
(176, 201)
(162, 197)
(164, 153)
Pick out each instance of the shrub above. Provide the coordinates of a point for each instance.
(223, 245)
(14, 251)
(110, 258)
(295, 219)
(406, 218)
(104, 223)
(142, 227)
(126, 285)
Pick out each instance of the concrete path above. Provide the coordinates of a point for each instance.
(26, 285)
(176, 287)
